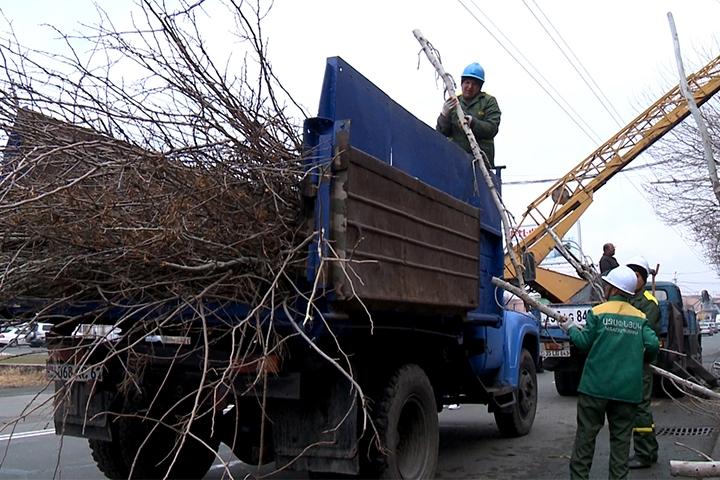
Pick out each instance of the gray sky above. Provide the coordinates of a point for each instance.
(625, 45)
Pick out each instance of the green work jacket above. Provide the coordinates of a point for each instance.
(648, 304)
(486, 121)
(617, 338)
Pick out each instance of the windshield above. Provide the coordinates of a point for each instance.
(661, 295)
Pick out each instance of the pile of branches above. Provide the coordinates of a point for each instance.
(183, 183)
(140, 172)
(85, 215)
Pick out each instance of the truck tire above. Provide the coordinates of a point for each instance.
(108, 459)
(519, 420)
(405, 415)
(567, 382)
(115, 458)
(242, 435)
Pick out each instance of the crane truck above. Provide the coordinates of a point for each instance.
(559, 208)
(418, 321)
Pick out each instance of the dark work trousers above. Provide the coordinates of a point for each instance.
(644, 442)
(591, 412)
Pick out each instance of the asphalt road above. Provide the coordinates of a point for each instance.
(470, 446)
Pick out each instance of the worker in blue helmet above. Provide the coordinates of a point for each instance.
(481, 111)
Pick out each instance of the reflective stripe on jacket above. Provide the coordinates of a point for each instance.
(648, 304)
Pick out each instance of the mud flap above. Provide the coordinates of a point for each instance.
(319, 432)
(81, 410)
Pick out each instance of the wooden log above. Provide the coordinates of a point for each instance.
(694, 469)
(527, 299)
(695, 111)
(699, 389)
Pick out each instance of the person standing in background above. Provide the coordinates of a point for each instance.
(608, 261)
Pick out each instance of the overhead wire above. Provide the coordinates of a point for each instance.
(576, 63)
(536, 75)
(553, 180)
(589, 131)
(605, 104)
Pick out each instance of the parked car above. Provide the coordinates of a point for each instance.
(12, 336)
(37, 337)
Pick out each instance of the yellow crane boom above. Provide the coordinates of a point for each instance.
(559, 207)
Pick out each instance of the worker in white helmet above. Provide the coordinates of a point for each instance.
(617, 338)
(645, 445)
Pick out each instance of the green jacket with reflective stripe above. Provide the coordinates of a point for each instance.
(648, 304)
(617, 338)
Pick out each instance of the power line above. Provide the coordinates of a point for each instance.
(575, 62)
(553, 180)
(576, 118)
(596, 138)
(589, 131)
(607, 101)
(632, 184)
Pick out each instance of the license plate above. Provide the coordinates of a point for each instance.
(561, 349)
(578, 313)
(65, 372)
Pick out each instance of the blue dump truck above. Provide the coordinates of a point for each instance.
(679, 336)
(405, 309)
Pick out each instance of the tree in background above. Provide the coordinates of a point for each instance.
(681, 192)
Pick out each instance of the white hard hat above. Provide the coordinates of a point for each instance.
(623, 278)
(640, 262)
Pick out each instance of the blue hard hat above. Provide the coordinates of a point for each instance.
(474, 70)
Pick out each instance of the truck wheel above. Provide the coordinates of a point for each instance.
(519, 420)
(406, 418)
(116, 457)
(157, 454)
(567, 382)
(108, 459)
(243, 435)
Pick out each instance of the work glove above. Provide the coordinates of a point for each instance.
(469, 119)
(566, 323)
(448, 106)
